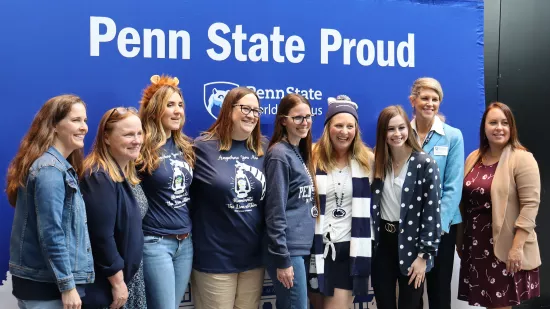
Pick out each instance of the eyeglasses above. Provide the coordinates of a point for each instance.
(300, 119)
(124, 109)
(245, 109)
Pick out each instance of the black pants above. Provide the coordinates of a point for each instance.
(386, 273)
(438, 280)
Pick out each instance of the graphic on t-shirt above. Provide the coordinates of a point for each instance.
(179, 180)
(242, 185)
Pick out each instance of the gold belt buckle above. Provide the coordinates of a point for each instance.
(390, 227)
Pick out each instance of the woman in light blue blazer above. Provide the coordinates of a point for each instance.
(446, 145)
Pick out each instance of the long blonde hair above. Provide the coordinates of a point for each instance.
(100, 156)
(152, 105)
(324, 154)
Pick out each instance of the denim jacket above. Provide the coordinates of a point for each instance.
(49, 239)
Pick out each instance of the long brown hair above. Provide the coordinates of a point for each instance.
(287, 103)
(514, 139)
(152, 105)
(382, 154)
(223, 126)
(324, 154)
(100, 156)
(38, 139)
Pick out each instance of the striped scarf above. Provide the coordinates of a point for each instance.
(360, 245)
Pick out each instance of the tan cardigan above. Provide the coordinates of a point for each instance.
(515, 197)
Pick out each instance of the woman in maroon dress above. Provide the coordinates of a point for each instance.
(498, 247)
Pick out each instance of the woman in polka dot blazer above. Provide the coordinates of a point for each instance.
(404, 212)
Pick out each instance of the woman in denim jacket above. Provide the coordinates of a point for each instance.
(50, 254)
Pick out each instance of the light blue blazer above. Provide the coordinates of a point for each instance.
(448, 151)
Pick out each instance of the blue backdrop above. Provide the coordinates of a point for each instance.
(106, 51)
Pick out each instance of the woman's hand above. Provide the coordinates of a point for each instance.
(71, 299)
(118, 289)
(120, 295)
(286, 276)
(513, 264)
(417, 272)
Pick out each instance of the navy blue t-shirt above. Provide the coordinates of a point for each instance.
(228, 222)
(167, 191)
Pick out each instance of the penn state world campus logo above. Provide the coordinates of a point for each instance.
(214, 94)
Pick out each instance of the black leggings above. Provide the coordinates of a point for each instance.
(386, 273)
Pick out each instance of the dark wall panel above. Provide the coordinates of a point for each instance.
(524, 71)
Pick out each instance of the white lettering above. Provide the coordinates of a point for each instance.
(221, 42)
(277, 38)
(384, 52)
(173, 37)
(239, 37)
(123, 40)
(129, 40)
(290, 49)
(257, 47)
(148, 35)
(348, 45)
(95, 37)
(409, 45)
(262, 48)
(361, 52)
(326, 47)
(380, 54)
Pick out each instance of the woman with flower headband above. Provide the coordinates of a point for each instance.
(340, 264)
(114, 218)
(228, 225)
(291, 201)
(165, 167)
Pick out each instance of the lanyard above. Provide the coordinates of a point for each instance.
(428, 138)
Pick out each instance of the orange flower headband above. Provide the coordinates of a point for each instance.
(156, 83)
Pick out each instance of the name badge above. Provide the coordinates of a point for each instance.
(441, 150)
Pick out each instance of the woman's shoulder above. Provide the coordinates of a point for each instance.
(96, 176)
(421, 157)
(524, 158)
(204, 141)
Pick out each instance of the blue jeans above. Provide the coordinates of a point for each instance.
(296, 296)
(40, 304)
(167, 266)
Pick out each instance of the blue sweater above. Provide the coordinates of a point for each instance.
(289, 197)
(114, 223)
(447, 150)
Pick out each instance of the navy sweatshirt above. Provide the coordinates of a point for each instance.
(289, 199)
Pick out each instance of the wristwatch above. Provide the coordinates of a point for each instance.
(424, 256)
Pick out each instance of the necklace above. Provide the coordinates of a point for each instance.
(314, 212)
(339, 212)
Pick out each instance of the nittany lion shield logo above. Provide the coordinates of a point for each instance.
(214, 93)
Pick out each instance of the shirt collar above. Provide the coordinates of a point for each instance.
(437, 126)
(54, 152)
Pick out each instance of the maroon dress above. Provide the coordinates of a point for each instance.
(484, 280)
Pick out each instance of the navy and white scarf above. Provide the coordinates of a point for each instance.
(360, 245)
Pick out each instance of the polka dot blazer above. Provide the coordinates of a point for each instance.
(420, 223)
